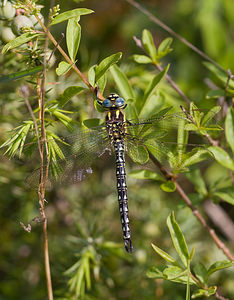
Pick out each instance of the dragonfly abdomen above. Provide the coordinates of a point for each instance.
(122, 193)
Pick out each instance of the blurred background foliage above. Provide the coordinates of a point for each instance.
(88, 213)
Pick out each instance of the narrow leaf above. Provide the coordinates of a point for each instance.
(200, 272)
(219, 265)
(69, 92)
(226, 194)
(219, 73)
(22, 39)
(178, 239)
(222, 157)
(210, 115)
(148, 43)
(164, 46)
(229, 128)
(91, 75)
(122, 82)
(106, 63)
(146, 174)
(152, 86)
(73, 34)
(155, 272)
(21, 74)
(206, 293)
(142, 59)
(165, 255)
(196, 178)
(75, 13)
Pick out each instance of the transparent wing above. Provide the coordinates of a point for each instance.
(167, 139)
(76, 154)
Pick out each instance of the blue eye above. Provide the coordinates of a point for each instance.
(106, 103)
(119, 102)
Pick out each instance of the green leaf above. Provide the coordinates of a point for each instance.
(63, 118)
(222, 157)
(142, 59)
(105, 64)
(219, 265)
(207, 293)
(178, 239)
(70, 92)
(168, 186)
(16, 142)
(156, 272)
(215, 94)
(221, 75)
(227, 194)
(73, 35)
(20, 74)
(229, 128)
(102, 83)
(165, 255)
(190, 127)
(196, 178)
(75, 13)
(138, 154)
(91, 75)
(164, 48)
(22, 39)
(200, 272)
(152, 86)
(148, 43)
(63, 68)
(122, 82)
(177, 274)
(193, 157)
(146, 174)
(89, 123)
(210, 115)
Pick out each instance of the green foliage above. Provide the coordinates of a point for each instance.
(177, 273)
(97, 266)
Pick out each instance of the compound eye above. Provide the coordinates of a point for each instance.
(119, 102)
(106, 103)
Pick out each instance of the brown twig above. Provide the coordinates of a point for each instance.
(220, 297)
(196, 213)
(175, 86)
(173, 33)
(25, 93)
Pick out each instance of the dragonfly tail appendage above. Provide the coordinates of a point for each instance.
(128, 245)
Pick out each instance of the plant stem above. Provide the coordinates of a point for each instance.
(174, 85)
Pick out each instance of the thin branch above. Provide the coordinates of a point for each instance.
(25, 93)
(173, 33)
(43, 179)
(196, 213)
(175, 86)
(220, 297)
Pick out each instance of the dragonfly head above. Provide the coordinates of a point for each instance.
(113, 102)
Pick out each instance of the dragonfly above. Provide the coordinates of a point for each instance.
(118, 136)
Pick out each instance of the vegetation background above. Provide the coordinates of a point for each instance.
(88, 212)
